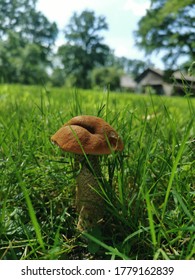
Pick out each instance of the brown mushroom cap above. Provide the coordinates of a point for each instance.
(87, 134)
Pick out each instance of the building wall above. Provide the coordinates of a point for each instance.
(168, 89)
(151, 79)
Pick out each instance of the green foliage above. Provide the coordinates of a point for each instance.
(106, 77)
(21, 16)
(149, 188)
(57, 78)
(168, 26)
(26, 42)
(20, 62)
(31, 68)
(173, 7)
(133, 67)
(12, 14)
(84, 48)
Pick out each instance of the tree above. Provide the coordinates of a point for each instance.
(31, 69)
(133, 67)
(26, 41)
(84, 49)
(103, 77)
(21, 16)
(21, 63)
(57, 77)
(169, 26)
(7, 54)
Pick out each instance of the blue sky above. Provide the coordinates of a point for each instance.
(122, 17)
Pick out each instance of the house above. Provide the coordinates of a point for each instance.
(154, 81)
(127, 83)
(183, 83)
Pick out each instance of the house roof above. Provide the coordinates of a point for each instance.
(127, 82)
(157, 72)
(178, 75)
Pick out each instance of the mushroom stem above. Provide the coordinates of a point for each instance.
(89, 202)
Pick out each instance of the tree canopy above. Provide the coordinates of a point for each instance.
(103, 77)
(169, 26)
(21, 16)
(26, 41)
(84, 48)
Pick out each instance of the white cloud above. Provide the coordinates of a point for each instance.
(61, 10)
(137, 7)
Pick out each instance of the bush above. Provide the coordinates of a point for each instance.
(106, 76)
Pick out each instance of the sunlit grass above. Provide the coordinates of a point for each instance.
(149, 187)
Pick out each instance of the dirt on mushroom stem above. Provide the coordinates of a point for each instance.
(89, 202)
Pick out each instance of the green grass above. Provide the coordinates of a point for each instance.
(149, 187)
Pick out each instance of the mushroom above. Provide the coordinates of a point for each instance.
(88, 137)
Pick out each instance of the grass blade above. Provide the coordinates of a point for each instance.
(175, 164)
(150, 218)
(31, 213)
(113, 251)
(183, 206)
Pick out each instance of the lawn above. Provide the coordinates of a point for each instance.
(149, 187)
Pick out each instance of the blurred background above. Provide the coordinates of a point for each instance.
(90, 44)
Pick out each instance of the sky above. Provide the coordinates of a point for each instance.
(122, 17)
